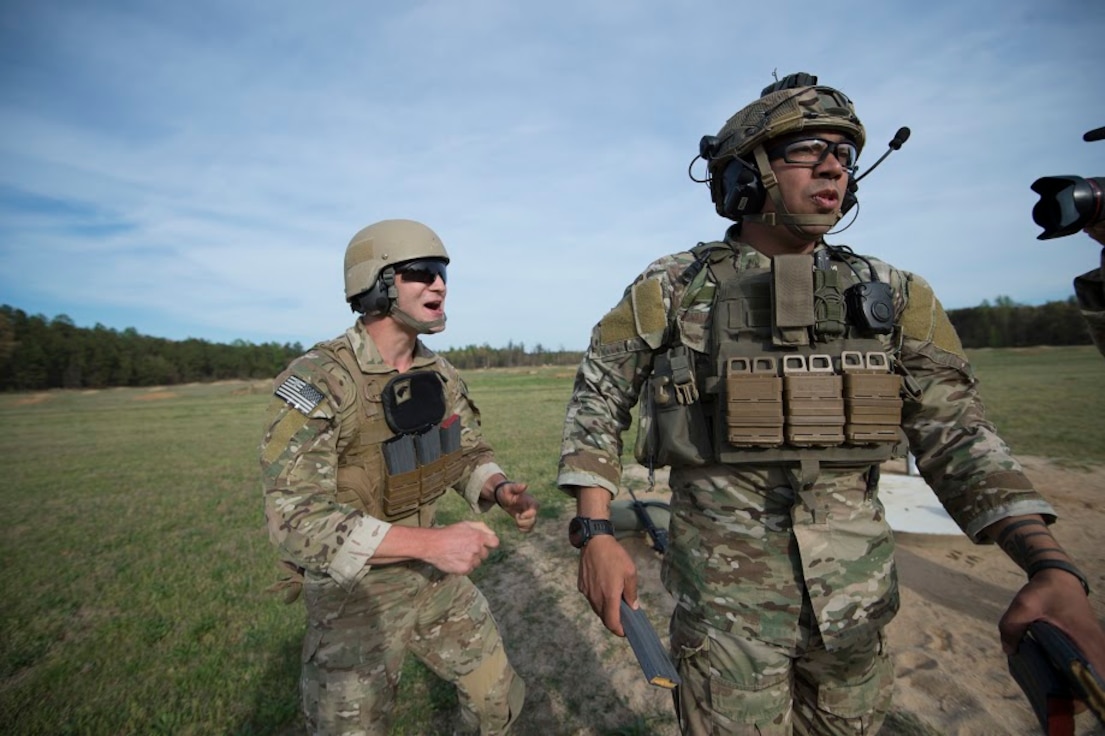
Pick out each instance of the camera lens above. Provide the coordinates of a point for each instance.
(1067, 204)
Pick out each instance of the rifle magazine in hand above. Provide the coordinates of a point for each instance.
(654, 661)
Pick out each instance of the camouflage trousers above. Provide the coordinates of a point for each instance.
(356, 642)
(735, 685)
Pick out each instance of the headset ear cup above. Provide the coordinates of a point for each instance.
(850, 199)
(375, 301)
(381, 302)
(742, 190)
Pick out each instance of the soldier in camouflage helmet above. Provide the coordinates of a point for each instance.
(363, 435)
(774, 373)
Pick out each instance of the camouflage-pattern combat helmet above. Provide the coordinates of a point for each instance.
(782, 110)
(387, 243)
(793, 104)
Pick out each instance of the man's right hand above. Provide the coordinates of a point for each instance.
(606, 575)
(459, 548)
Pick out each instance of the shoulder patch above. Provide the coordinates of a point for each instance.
(924, 319)
(617, 325)
(281, 434)
(649, 316)
(300, 394)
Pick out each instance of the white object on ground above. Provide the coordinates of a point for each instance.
(911, 506)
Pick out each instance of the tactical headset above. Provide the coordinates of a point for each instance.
(378, 299)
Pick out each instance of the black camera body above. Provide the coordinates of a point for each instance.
(1069, 203)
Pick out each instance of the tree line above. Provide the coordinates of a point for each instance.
(514, 355)
(37, 353)
(1006, 324)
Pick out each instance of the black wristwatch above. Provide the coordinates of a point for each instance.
(581, 529)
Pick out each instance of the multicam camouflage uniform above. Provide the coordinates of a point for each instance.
(361, 620)
(769, 562)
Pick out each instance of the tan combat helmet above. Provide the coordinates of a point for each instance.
(791, 105)
(370, 261)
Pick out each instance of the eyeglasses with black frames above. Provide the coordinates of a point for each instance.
(813, 151)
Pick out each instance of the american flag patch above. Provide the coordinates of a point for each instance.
(300, 394)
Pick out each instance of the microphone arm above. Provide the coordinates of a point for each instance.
(895, 143)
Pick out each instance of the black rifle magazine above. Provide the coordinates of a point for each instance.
(1050, 669)
(650, 653)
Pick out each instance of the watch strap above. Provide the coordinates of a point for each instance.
(583, 529)
(601, 526)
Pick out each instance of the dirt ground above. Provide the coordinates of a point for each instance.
(951, 674)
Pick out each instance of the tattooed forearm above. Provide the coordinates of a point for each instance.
(1027, 541)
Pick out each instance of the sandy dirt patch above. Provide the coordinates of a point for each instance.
(155, 396)
(31, 400)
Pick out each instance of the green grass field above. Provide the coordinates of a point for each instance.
(136, 559)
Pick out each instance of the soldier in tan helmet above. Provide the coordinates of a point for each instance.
(774, 372)
(365, 432)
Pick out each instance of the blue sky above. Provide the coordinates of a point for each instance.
(196, 169)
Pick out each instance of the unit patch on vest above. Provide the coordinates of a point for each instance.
(300, 394)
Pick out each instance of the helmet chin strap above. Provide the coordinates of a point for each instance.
(422, 327)
(797, 224)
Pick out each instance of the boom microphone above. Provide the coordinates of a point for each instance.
(895, 143)
(899, 138)
(1097, 134)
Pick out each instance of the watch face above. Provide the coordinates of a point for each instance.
(577, 534)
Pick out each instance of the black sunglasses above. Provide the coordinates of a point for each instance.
(424, 271)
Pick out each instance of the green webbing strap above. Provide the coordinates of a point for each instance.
(828, 303)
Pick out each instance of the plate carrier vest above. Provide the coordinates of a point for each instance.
(790, 376)
(364, 481)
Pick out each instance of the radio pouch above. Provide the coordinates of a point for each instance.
(672, 427)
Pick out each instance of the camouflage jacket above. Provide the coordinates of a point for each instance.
(744, 548)
(300, 452)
